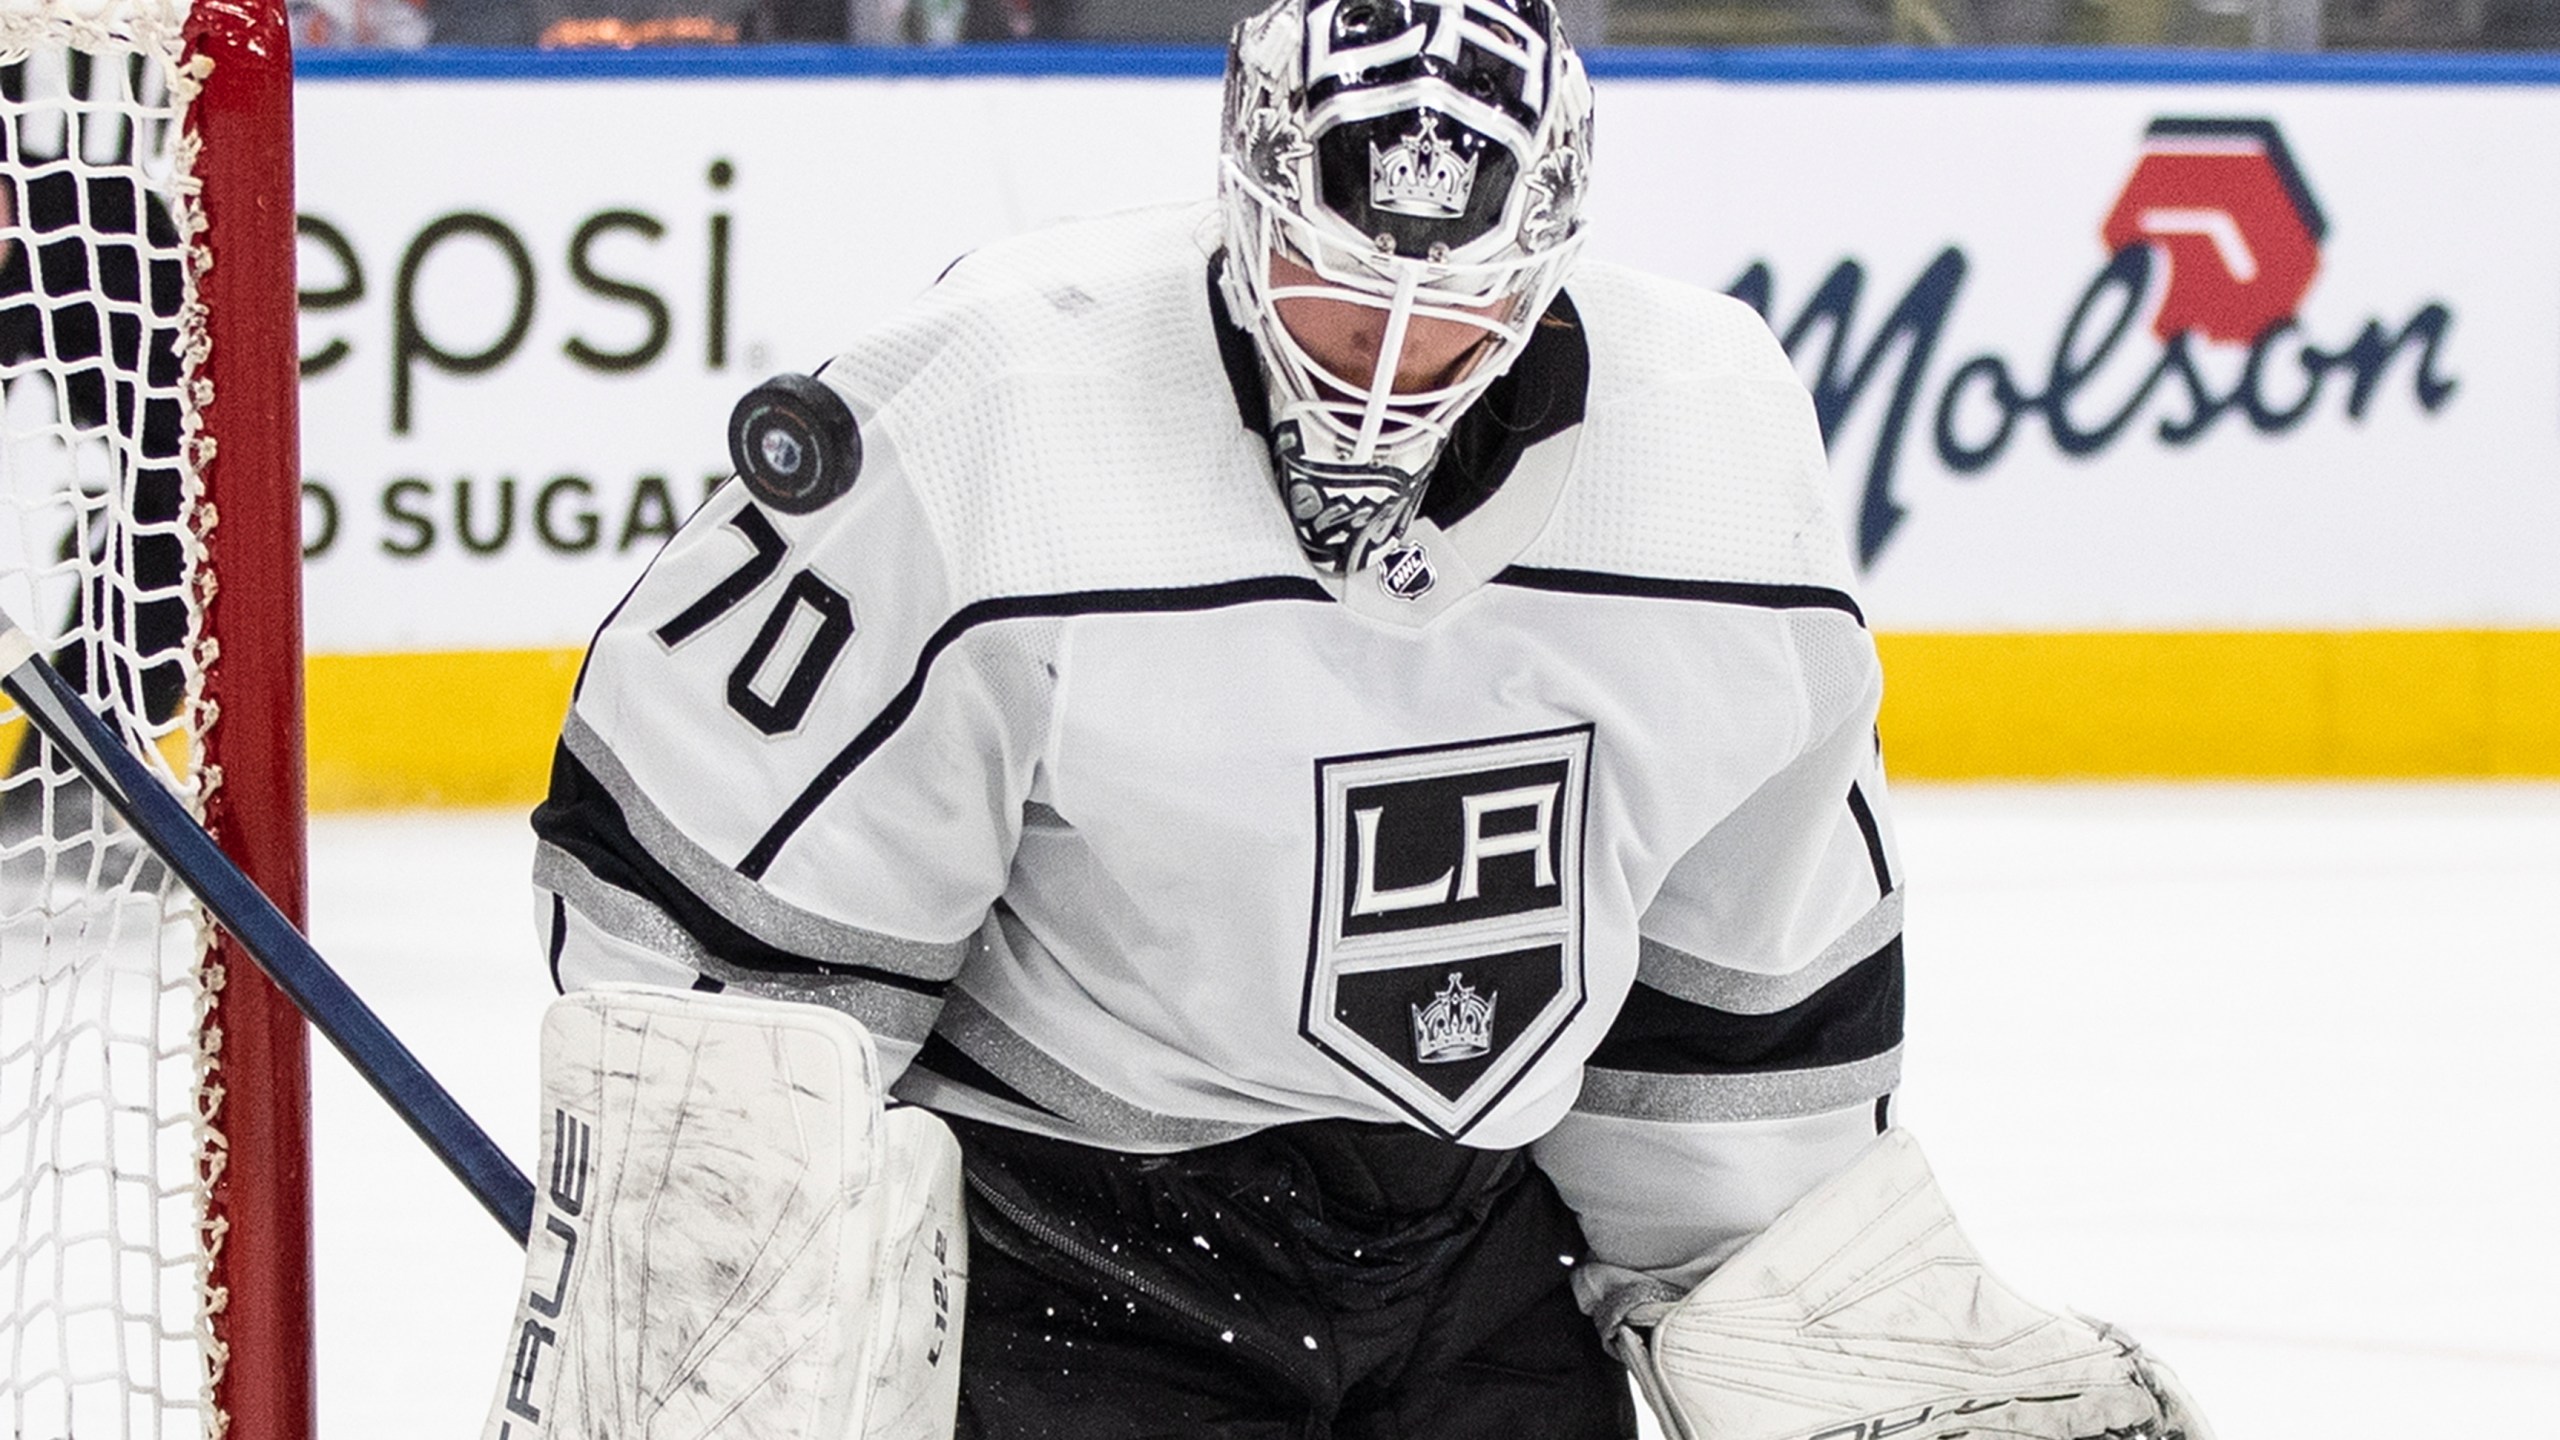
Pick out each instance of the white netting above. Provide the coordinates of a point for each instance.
(103, 1144)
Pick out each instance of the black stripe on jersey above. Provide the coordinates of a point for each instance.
(559, 937)
(1856, 1017)
(581, 817)
(950, 1062)
(1655, 587)
(1866, 817)
(1187, 598)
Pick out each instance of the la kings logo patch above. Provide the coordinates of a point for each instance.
(1447, 952)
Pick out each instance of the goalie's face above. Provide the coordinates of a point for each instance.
(1347, 334)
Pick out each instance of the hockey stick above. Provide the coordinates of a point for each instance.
(245, 911)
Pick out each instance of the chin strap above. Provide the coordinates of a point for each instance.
(1344, 514)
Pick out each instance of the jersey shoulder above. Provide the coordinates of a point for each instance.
(1700, 457)
(1057, 406)
(1648, 326)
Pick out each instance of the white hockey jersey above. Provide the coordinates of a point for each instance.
(1044, 752)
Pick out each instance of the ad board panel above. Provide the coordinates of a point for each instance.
(2128, 357)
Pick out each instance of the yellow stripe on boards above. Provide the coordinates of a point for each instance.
(477, 728)
(453, 728)
(2346, 704)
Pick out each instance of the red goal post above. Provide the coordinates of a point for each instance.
(243, 121)
(155, 1234)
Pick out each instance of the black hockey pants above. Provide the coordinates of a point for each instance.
(1324, 1281)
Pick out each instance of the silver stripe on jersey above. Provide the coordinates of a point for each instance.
(741, 901)
(885, 1010)
(888, 1012)
(612, 909)
(1723, 1099)
(1095, 1115)
(1678, 973)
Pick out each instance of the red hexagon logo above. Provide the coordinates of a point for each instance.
(2228, 209)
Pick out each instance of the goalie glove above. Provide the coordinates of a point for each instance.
(734, 1237)
(1862, 1313)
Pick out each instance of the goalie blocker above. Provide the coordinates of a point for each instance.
(1863, 1313)
(733, 1236)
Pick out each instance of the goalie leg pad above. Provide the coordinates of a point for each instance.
(732, 1235)
(1863, 1313)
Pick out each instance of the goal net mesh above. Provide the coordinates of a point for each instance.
(106, 1145)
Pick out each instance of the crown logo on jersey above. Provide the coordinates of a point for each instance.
(1423, 175)
(1456, 1025)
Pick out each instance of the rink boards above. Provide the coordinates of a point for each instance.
(2188, 415)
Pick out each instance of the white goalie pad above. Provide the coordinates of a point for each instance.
(1863, 1313)
(732, 1237)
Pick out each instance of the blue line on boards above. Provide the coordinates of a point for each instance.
(1841, 65)
(1024, 59)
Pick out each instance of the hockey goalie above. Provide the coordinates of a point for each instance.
(1263, 819)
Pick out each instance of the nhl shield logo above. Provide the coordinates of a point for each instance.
(1447, 947)
(1404, 570)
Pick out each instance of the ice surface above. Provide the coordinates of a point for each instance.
(2264, 1074)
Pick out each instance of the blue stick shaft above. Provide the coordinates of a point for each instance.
(244, 910)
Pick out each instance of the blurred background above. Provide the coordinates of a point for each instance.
(2191, 376)
(2189, 369)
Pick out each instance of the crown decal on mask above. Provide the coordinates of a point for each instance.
(1456, 1025)
(1424, 175)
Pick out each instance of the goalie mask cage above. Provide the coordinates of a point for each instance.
(154, 1213)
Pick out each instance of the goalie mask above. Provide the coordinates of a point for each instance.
(1402, 183)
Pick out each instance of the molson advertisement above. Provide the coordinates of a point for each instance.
(2118, 357)
(2185, 427)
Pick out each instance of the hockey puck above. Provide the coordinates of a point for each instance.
(795, 443)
